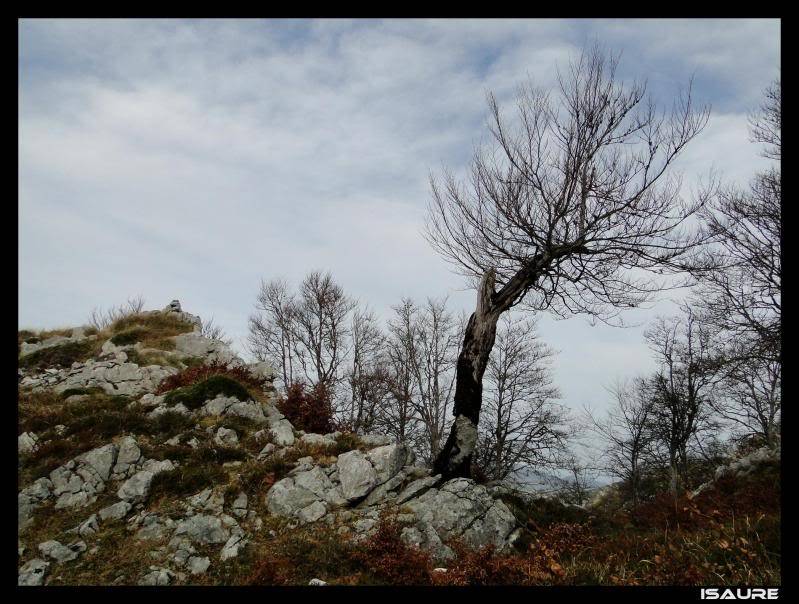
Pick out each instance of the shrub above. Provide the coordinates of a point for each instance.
(194, 396)
(295, 557)
(308, 410)
(199, 373)
(387, 558)
(169, 423)
(130, 336)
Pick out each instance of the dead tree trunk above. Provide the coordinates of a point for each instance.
(455, 458)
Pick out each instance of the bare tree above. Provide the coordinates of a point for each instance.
(681, 389)
(626, 430)
(766, 123)
(750, 397)
(522, 425)
(433, 364)
(572, 210)
(306, 334)
(741, 274)
(320, 328)
(271, 332)
(399, 418)
(100, 319)
(367, 375)
(215, 332)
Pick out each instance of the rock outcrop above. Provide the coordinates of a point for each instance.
(113, 482)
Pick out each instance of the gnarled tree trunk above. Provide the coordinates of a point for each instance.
(455, 458)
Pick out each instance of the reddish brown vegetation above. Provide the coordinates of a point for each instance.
(308, 409)
(199, 373)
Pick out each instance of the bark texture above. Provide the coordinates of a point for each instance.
(455, 459)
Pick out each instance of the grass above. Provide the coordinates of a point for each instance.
(143, 359)
(152, 330)
(62, 355)
(185, 480)
(34, 337)
(194, 396)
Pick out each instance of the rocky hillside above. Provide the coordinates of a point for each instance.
(152, 455)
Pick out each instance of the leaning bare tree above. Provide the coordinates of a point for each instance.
(573, 210)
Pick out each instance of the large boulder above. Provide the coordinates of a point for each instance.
(461, 508)
(357, 475)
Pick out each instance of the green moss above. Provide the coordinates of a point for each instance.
(193, 397)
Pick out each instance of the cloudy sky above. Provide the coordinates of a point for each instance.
(191, 159)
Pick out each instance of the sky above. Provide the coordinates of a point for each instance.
(190, 159)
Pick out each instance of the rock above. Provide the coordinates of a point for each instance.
(137, 487)
(267, 451)
(239, 506)
(30, 498)
(61, 553)
(157, 576)
(232, 547)
(197, 345)
(356, 474)
(127, 459)
(33, 572)
(247, 409)
(417, 487)
(287, 499)
(116, 511)
(375, 440)
(388, 460)
(101, 460)
(317, 582)
(263, 370)
(314, 480)
(384, 491)
(282, 432)
(151, 400)
(313, 512)
(461, 508)
(27, 442)
(207, 500)
(203, 528)
(198, 565)
(317, 440)
(226, 437)
(153, 526)
(77, 482)
(88, 526)
(425, 536)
